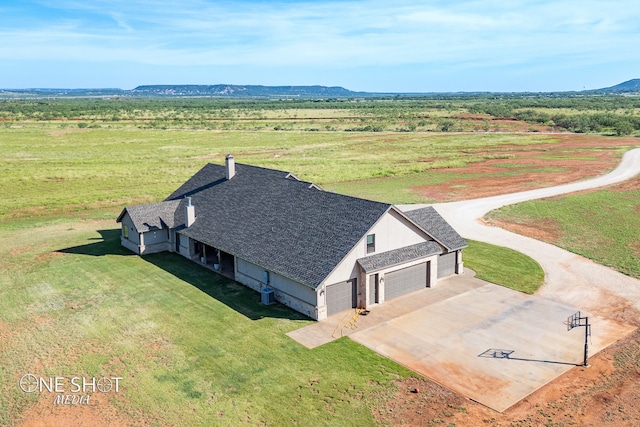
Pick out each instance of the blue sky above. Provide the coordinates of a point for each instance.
(366, 45)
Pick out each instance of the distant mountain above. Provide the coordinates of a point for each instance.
(257, 91)
(631, 86)
(60, 93)
(242, 91)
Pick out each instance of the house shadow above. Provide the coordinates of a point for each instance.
(107, 244)
(238, 297)
(234, 295)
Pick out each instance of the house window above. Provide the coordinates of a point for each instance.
(371, 243)
(125, 231)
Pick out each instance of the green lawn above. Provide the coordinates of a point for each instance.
(192, 348)
(601, 225)
(504, 266)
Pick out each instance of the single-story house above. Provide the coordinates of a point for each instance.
(316, 251)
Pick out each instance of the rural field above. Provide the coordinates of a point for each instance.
(193, 348)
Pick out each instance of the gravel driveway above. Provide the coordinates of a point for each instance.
(569, 278)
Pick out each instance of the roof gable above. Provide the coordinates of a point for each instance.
(435, 225)
(155, 216)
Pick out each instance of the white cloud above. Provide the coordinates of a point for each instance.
(336, 34)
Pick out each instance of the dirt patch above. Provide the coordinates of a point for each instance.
(604, 394)
(419, 402)
(48, 255)
(101, 411)
(548, 230)
(521, 168)
(629, 185)
(20, 250)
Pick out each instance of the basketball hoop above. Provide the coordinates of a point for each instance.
(576, 321)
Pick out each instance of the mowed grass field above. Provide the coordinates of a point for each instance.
(192, 348)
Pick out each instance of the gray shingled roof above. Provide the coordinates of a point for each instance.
(436, 226)
(269, 218)
(154, 216)
(399, 256)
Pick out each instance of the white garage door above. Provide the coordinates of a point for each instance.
(341, 296)
(406, 280)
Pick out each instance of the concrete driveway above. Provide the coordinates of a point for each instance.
(490, 344)
(459, 332)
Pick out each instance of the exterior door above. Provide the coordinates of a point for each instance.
(374, 289)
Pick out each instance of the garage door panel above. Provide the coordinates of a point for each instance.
(446, 264)
(341, 296)
(405, 280)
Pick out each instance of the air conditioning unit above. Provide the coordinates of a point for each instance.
(268, 296)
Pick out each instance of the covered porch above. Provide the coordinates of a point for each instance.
(215, 259)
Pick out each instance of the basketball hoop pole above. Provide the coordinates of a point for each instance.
(574, 321)
(586, 341)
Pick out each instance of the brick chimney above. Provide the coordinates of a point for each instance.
(231, 166)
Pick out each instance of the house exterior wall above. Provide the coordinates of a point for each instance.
(288, 292)
(155, 241)
(392, 232)
(366, 283)
(186, 245)
(132, 242)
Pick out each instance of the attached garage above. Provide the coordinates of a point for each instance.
(446, 264)
(342, 296)
(406, 280)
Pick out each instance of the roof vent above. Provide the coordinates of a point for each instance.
(231, 166)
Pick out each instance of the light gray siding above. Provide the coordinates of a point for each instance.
(155, 241)
(292, 294)
(132, 241)
(277, 282)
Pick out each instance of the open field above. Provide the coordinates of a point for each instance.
(53, 172)
(603, 225)
(194, 349)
